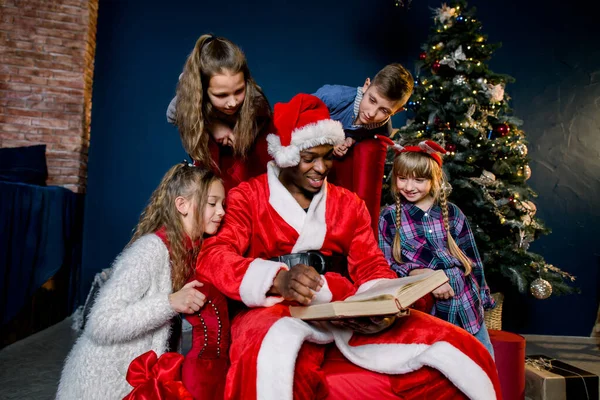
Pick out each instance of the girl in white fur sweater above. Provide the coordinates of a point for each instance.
(133, 311)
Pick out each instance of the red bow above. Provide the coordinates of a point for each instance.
(427, 146)
(156, 378)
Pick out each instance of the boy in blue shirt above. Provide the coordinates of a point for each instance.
(365, 112)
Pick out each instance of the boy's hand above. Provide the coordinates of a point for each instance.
(340, 150)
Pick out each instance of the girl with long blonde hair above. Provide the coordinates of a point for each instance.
(220, 112)
(423, 231)
(137, 309)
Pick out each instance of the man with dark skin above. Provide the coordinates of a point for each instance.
(292, 212)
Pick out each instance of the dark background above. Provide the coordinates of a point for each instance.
(550, 47)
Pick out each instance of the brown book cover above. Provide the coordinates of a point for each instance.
(386, 297)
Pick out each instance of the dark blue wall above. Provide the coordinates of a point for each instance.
(298, 46)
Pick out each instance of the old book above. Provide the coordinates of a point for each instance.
(384, 298)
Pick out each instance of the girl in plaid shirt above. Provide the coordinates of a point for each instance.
(423, 232)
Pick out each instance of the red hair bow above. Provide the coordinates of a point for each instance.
(156, 378)
(427, 146)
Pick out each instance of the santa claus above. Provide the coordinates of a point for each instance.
(278, 228)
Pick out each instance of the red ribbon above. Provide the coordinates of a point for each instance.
(156, 378)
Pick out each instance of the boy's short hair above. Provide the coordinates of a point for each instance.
(394, 82)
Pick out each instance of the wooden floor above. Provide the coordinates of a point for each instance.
(30, 368)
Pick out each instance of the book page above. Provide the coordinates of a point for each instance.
(387, 288)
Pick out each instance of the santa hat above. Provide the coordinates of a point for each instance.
(302, 123)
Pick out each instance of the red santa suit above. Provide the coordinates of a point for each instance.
(268, 359)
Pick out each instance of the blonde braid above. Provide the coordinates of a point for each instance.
(452, 246)
(397, 249)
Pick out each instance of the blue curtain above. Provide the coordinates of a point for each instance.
(41, 232)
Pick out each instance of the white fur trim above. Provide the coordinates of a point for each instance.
(279, 349)
(314, 229)
(461, 370)
(288, 156)
(311, 226)
(324, 295)
(257, 281)
(282, 200)
(326, 131)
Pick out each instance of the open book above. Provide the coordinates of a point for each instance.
(386, 297)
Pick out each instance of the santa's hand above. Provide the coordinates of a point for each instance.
(444, 292)
(365, 325)
(188, 299)
(299, 284)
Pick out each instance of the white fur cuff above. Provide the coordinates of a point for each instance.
(258, 280)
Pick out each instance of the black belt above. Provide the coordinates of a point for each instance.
(322, 263)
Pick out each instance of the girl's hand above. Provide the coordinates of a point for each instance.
(222, 133)
(349, 142)
(420, 271)
(188, 299)
(444, 292)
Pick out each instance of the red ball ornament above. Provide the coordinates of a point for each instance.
(450, 147)
(423, 55)
(436, 66)
(503, 129)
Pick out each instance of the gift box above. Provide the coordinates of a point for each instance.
(547, 378)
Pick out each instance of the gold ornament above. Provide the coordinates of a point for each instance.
(540, 289)
(521, 148)
(527, 171)
(529, 207)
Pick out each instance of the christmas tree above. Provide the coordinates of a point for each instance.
(460, 103)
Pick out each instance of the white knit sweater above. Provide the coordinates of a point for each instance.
(131, 316)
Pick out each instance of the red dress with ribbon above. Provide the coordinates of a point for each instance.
(206, 363)
(156, 378)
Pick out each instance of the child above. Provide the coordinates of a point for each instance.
(434, 234)
(136, 309)
(221, 113)
(366, 111)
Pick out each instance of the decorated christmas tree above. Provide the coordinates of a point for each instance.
(460, 103)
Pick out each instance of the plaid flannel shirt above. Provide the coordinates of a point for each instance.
(424, 245)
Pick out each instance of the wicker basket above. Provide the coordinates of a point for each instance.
(493, 317)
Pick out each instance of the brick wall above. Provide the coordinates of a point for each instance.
(46, 70)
